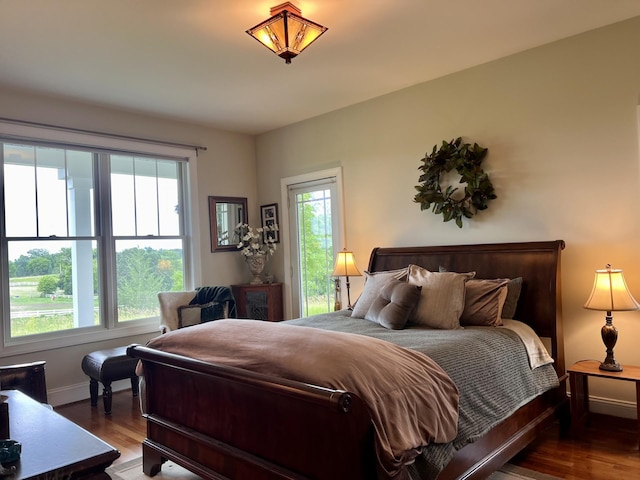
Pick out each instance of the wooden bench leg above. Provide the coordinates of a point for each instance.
(93, 391)
(107, 397)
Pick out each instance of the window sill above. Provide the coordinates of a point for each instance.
(79, 337)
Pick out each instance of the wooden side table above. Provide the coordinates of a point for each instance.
(579, 374)
(259, 301)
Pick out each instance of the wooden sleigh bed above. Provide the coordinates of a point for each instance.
(223, 422)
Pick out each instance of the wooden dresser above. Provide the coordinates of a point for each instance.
(259, 301)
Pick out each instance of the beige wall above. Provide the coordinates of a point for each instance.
(561, 125)
(227, 168)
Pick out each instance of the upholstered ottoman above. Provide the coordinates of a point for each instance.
(106, 366)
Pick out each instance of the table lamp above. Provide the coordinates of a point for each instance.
(610, 293)
(346, 267)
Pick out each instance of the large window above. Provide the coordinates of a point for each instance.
(88, 238)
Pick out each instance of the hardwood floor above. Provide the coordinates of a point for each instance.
(124, 429)
(607, 450)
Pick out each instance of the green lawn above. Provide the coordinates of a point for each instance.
(51, 314)
(34, 325)
(318, 305)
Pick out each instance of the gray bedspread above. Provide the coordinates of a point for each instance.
(489, 365)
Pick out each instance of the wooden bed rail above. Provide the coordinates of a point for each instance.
(177, 391)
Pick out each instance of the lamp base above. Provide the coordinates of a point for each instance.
(610, 366)
(338, 296)
(610, 337)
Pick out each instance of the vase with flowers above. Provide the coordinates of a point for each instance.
(256, 245)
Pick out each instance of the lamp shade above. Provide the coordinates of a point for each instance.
(345, 265)
(286, 33)
(610, 292)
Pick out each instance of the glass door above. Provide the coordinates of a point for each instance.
(313, 210)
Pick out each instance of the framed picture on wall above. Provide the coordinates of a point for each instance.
(269, 215)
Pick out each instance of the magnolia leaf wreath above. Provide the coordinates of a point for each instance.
(466, 160)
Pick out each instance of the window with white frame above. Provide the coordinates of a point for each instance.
(88, 237)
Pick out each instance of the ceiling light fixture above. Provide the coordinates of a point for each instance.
(286, 33)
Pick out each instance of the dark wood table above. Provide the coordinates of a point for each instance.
(52, 446)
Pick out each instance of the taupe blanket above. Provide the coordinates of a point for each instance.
(412, 401)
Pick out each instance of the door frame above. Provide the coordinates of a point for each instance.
(285, 232)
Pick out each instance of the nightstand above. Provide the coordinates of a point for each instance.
(579, 374)
(261, 301)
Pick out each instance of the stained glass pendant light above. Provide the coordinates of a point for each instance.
(286, 32)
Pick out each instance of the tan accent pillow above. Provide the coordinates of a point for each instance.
(189, 315)
(372, 287)
(442, 298)
(483, 302)
(395, 304)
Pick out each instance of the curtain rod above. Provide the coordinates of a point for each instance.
(197, 148)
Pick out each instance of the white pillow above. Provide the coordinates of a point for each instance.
(442, 299)
(372, 287)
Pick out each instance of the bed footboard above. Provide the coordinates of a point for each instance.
(211, 420)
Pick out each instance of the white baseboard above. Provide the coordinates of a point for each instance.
(610, 406)
(78, 392)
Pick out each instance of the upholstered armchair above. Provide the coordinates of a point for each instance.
(179, 309)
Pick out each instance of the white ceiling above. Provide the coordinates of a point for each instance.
(192, 60)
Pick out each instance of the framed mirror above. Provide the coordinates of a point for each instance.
(224, 214)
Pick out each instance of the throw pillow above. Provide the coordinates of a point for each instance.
(372, 286)
(169, 303)
(189, 315)
(394, 305)
(442, 298)
(483, 303)
(514, 287)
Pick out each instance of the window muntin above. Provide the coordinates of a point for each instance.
(51, 206)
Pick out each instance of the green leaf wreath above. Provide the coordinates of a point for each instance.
(466, 159)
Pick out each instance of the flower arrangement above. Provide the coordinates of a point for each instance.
(256, 242)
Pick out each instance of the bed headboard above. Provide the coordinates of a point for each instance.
(538, 263)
